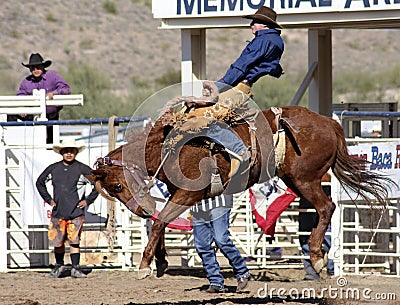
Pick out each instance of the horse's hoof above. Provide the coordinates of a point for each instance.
(326, 258)
(143, 273)
(319, 265)
(161, 267)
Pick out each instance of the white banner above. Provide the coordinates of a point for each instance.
(232, 8)
(385, 158)
(32, 163)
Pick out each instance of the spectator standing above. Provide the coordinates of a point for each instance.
(68, 202)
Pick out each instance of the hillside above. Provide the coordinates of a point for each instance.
(128, 43)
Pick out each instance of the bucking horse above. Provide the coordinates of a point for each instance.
(294, 143)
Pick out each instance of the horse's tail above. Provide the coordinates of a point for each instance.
(351, 172)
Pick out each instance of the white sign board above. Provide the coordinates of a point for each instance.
(34, 210)
(385, 160)
(233, 8)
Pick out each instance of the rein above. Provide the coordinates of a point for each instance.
(133, 169)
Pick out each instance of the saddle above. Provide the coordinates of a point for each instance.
(189, 118)
(190, 115)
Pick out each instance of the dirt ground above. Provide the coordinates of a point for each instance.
(115, 287)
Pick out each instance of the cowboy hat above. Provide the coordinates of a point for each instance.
(265, 15)
(68, 143)
(35, 60)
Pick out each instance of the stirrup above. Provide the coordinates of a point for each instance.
(235, 164)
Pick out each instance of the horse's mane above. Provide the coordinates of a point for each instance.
(140, 145)
(138, 135)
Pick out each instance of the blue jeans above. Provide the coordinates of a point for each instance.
(213, 226)
(227, 138)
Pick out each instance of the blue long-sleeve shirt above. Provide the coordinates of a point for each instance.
(260, 57)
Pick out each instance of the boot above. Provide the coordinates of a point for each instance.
(311, 274)
(57, 271)
(216, 289)
(77, 272)
(242, 283)
(236, 161)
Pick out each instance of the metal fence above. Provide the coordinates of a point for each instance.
(26, 247)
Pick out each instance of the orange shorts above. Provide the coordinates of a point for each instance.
(60, 229)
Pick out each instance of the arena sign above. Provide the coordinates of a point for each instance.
(384, 158)
(232, 8)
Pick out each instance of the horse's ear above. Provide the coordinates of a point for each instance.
(326, 177)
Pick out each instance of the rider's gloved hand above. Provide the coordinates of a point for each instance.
(222, 86)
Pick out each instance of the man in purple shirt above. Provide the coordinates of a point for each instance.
(40, 78)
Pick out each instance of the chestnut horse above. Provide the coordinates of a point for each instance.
(314, 144)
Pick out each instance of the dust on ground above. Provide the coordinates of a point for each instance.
(116, 287)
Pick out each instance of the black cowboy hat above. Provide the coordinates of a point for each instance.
(35, 60)
(265, 15)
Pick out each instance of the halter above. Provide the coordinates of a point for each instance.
(133, 169)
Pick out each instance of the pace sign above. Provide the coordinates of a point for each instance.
(231, 8)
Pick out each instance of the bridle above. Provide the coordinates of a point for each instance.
(138, 175)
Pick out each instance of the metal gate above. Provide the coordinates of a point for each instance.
(26, 247)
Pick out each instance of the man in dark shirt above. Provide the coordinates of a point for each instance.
(260, 57)
(68, 202)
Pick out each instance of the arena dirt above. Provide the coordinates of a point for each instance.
(114, 287)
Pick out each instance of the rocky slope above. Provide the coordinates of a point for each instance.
(128, 43)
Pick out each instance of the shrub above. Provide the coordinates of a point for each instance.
(8, 84)
(99, 100)
(269, 91)
(50, 17)
(110, 7)
(169, 78)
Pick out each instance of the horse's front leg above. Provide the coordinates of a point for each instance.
(157, 232)
(156, 241)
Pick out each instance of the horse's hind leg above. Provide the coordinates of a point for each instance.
(161, 253)
(325, 207)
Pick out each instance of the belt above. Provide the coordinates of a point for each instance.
(247, 82)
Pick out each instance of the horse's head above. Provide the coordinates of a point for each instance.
(126, 182)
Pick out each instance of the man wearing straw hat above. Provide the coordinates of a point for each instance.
(68, 202)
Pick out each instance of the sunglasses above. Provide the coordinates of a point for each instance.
(39, 67)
